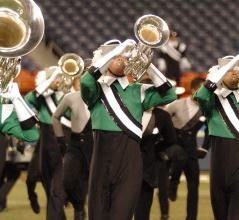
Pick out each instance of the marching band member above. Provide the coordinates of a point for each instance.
(219, 101)
(78, 153)
(172, 57)
(159, 135)
(116, 109)
(18, 120)
(3, 151)
(45, 99)
(187, 120)
(159, 148)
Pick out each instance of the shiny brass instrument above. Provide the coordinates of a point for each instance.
(152, 32)
(71, 65)
(21, 30)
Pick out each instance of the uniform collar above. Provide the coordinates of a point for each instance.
(224, 92)
(108, 80)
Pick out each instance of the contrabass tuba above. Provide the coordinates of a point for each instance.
(72, 66)
(21, 30)
(152, 32)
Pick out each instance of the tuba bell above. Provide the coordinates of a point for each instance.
(21, 30)
(72, 66)
(152, 32)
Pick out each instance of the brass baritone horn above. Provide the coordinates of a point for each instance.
(21, 30)
(71, 65)
(152, 32)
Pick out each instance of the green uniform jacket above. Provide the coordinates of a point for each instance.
(12, 126)
(40, 105)
(131, 97)
(216, 124)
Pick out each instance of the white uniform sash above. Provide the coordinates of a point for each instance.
(229, 114)
(120, 116)
(52, 107)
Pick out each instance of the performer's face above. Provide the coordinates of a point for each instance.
(117, 66)
(231, 79)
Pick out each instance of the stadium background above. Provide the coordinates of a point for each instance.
(208, 27)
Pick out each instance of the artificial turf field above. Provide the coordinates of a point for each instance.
(18, 207)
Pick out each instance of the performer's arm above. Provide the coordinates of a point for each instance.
(24, 113)
(154, 98)
(20, 122)
(90, 89)
(216, 76)
(56, 117)
(205, 99)
(158, 79)
(161, 93)
(32, 99)
(57, 126)
(12, 126)
(40, 89)
(103, 63)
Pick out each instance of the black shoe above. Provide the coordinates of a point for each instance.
(172, 193)
(79, 215)
(35, 205)
(3, 205)
(164, 217)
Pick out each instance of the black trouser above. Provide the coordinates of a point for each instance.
(75, 177)
(51, 173)
(3, 148)
(190, 167)
(33, 173)
(76, 168)
(224, 184)
(115, 176)
(145, 200)
(9, 178)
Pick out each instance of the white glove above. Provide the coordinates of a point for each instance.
(156, 76)
(40, 89)
(22, 109)
(185, 65)
(216, 77)
(104, 62)
(11, 92)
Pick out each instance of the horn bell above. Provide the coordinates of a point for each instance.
(21, 27)
(151, 30)
(71, 64)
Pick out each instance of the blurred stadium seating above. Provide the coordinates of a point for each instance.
(208, 27)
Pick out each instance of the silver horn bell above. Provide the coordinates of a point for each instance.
(152, 32)
(21, 30)
(72, 66)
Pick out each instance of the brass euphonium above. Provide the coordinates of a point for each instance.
(21, 30)
(71, 65)
(152, 32)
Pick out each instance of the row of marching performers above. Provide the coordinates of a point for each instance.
(134, 139)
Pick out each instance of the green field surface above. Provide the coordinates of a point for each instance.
(18, 207)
